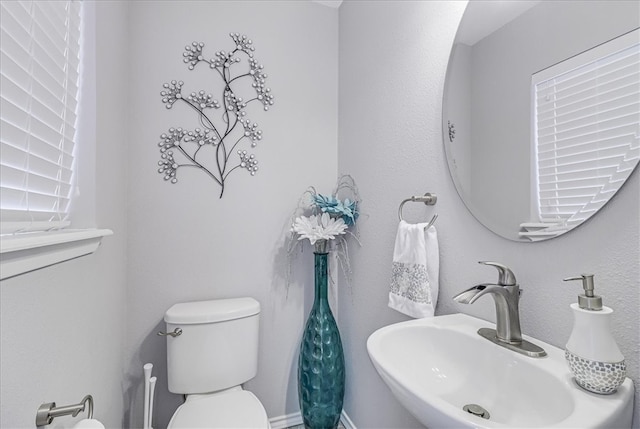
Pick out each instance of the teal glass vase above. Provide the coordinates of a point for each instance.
(321, 360)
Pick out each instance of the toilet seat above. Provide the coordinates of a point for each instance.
(232, 409)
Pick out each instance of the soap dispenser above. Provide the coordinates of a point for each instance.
(592, 354)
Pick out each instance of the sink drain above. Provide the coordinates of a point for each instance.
(476, 410)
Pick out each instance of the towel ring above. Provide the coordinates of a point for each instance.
(428, 199)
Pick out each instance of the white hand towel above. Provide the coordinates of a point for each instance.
(88, 424)
(416, 266)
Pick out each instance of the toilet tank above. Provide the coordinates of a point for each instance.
(218, 346)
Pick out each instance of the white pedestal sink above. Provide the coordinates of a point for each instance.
(436, 366)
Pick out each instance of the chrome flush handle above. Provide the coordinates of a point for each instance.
(176, 333)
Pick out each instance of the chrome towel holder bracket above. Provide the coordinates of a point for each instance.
(47, 412)
(428, 199)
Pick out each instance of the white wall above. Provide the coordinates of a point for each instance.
(62, 327)
(184, 242)
(393, 58)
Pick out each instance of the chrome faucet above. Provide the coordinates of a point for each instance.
(506, 294)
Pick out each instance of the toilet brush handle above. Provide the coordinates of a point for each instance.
(152, 389)
(148, 367)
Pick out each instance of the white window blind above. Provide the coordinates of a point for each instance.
(586, 130)
(40, 57)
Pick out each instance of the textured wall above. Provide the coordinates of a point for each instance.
(187, 244)
(62, 327)
(393, 58)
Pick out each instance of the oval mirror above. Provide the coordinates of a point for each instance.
(541, 111)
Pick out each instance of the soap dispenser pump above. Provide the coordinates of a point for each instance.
(592, 354)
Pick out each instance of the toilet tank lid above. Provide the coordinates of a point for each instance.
(216, 310)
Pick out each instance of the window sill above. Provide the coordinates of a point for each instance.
(21, 254)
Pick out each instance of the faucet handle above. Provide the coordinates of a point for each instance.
(505, 275)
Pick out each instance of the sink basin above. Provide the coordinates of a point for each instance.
(435, 367)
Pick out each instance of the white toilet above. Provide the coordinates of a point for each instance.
(216, 351)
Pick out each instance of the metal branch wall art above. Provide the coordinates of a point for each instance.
(452, 131)
(210, 147)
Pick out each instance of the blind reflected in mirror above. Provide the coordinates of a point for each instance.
(541, 112)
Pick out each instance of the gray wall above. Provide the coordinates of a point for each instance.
(393, 58)
(184, 242)
(63, 327)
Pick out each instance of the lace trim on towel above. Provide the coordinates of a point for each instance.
(411, 281)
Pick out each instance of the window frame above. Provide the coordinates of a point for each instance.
(28, 251)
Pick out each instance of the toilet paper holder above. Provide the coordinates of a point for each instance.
(47, 412)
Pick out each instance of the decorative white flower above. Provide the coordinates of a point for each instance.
(321, 227)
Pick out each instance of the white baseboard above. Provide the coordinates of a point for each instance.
(295, 419)
(283, 422)
(346, 421)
